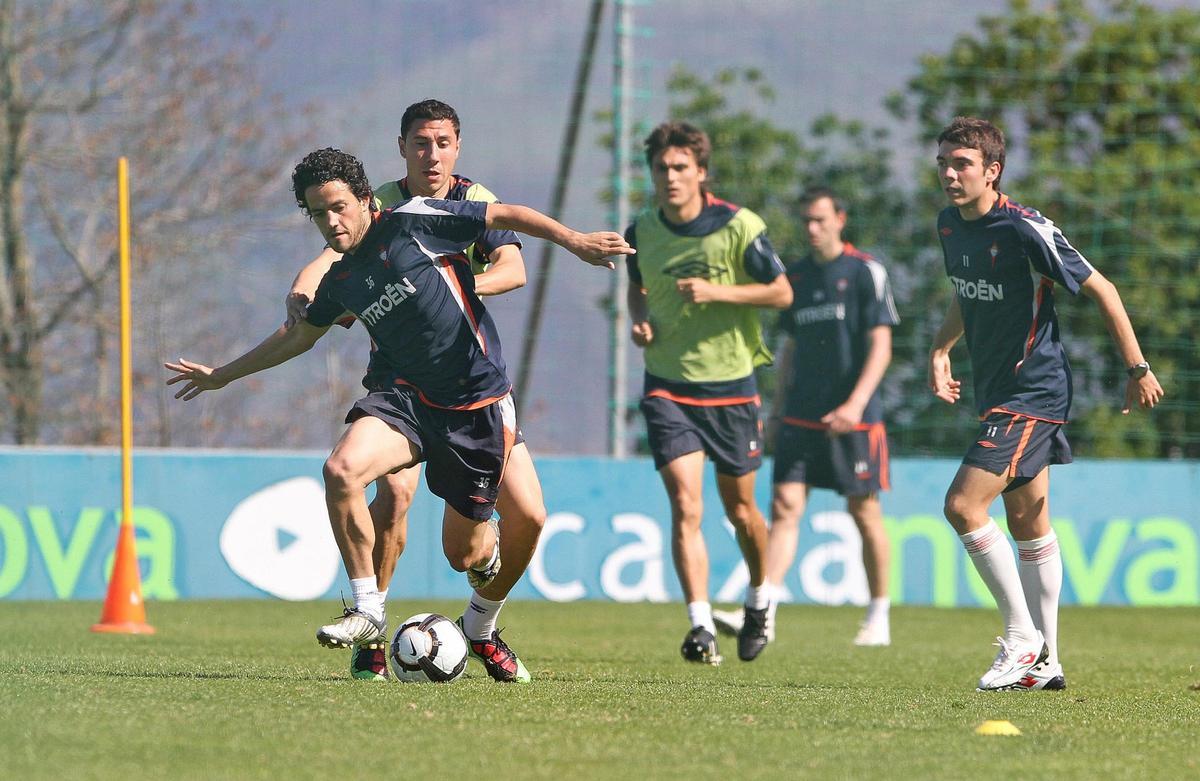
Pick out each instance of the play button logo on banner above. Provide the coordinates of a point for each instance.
(279, 540)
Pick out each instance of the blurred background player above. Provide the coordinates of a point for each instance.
(703, 265)
(430, 142)
(404, 277)
(1003, 260)
(827, 424)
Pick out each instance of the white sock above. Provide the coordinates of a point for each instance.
(877, 610)
(775, 593)
(479, 619)
(367, 596)
(758, 598)
(1041, 578)
(700, 614)
(994, 561)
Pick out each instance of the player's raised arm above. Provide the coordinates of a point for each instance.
(941, 380)
(1142, 388)
(304, 286)
(594, 248)
(283, 345)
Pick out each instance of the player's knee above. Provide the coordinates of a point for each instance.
(957, 509)
(686, 510)
(741, 515)
(341, 474)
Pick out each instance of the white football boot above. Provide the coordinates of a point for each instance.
(1042, 677)
(1012, 663)
(873, 633)
(729, 622)
(353, 628)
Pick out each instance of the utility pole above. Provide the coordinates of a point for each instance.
(622, 122)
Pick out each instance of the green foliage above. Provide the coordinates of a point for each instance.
(1102, 110)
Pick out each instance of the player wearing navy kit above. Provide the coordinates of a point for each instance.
(828, 418)
(430, 142)
(702, 268)
(446, 400)
(1005, 262)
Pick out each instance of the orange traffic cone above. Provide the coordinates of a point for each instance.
(124, 610)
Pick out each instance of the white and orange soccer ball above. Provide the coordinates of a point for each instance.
(428, 647)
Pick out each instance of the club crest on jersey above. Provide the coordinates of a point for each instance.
(994, 251)
(841, 285)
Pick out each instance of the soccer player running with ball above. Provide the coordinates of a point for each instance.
(1004, 261)
(828, 419)
(703, 266)
(447, 397)
(430, 143)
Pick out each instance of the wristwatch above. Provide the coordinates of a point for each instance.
(1138, 370)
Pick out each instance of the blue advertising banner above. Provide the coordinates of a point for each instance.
(234, 524)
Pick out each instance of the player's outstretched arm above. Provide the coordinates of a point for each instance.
(594, 248)
(505, 272)
(283, 345)
(304, 286)
(941, 380)
(1145, 390)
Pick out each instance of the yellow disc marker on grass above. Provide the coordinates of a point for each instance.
(997, 728)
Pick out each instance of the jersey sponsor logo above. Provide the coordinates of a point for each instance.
(946, 231)
(819, 314)
(977, 290)
(393, 295)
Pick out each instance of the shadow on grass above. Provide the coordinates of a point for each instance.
(64, 670)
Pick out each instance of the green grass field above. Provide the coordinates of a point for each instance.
(242, 690)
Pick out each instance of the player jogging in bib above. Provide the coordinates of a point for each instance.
(703, 267)
(430, 143)
(1005, 262)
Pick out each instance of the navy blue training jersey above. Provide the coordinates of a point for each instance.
(834, 307)
(1003, 267)
(411, 286)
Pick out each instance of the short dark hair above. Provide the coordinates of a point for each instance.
(681, 134)
(814, 194)
(330, 165)
(975, 133)
(429, 110)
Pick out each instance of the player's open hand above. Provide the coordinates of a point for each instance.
(296, 307)
(941, 381)
(198, 377)
(596, 248)
(1144, 391)
(642, 333)
(695, 290)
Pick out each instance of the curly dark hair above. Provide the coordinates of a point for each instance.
(329, 165)
(429, 110)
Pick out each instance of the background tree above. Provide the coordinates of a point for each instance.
(82, 83)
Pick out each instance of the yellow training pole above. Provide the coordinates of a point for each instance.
(123, 607)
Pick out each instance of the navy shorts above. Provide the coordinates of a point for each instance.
(853, 464)
(464, 450)
(729, 434)
(1017, 446)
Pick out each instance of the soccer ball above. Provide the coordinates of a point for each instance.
(428, 647)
